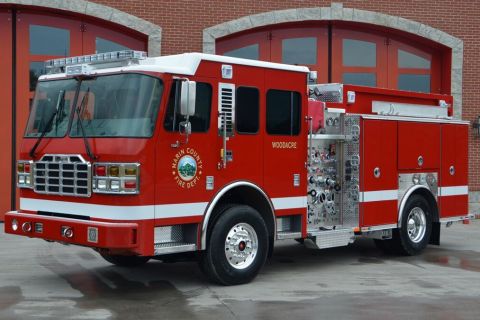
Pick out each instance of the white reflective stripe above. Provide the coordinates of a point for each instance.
(452, 191)
(115, 212)
(180, 210)
(382, 195)
(289, 203)
(91, 210)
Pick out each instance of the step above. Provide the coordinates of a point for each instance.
(173, 247)
(288, 235)
(332, 238)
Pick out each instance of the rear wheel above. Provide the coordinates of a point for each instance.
(416, 226)
(237, 248)
(125, 261)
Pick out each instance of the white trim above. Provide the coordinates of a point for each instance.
(289, 203)
(336, 110)
(100, 211)
(381, 195)
(452, 191)
(178, 210)
(388, 108)
(415, 119)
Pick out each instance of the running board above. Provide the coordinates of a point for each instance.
(288, 235)
(324, 239)
(173, 247)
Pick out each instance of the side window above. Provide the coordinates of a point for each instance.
(247, 110)
(200, 120)
(283, 112)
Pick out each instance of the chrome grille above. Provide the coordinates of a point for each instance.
(63, 175)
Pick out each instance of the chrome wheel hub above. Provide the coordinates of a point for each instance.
(416, 224)
(241, 246)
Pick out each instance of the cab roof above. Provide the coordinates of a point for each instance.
(184, 64)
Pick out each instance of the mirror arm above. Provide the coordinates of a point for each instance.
(187, 134)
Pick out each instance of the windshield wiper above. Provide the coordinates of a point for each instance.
(79, 110)
(58, 108)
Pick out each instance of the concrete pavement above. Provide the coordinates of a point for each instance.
(40, 280)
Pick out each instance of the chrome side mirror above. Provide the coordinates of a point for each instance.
(188, 94)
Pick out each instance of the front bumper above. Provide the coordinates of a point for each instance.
(95, 234)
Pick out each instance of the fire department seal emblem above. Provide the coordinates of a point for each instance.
(187, 168)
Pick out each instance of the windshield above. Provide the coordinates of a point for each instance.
(122, 105)
(52, 99)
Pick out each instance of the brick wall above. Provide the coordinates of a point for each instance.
(183, 23)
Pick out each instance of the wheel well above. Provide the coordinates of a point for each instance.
(427, 195)
(245, 195)
(432, 202)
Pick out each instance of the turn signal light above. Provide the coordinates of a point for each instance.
(100, 171)
(113, 171)
(14, 225)
(132, 171)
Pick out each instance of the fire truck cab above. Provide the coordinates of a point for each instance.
(142, 158)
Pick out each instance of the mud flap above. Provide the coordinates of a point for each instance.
(435, 235)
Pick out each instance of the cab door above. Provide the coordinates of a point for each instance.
(239, 102)
(285, 139)
(183, 162)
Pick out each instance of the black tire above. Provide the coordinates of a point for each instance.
(238, 223)
(300, 240)
(404, 239)
(125, 261)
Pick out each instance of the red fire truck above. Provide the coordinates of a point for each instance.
(143, 158)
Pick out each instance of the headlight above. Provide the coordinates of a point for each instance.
(24, 174)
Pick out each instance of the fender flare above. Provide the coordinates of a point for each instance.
(211, 206)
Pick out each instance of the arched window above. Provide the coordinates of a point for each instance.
(346, 53)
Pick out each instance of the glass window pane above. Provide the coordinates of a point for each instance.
(283, 112)
(247, 110)
(51, 108)
(248, 52)
(299, 51)
(358, 53)
(410, 60)
(119, 105)
(362, 79)
(200, 121)
(104, 45)
(414, 82)
(49, 41)
(36, 70)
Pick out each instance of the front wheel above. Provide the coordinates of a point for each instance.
(237, 248)
(416, 226)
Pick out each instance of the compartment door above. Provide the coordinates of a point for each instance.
(418, 146)
(453, 191)
(379, 174)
